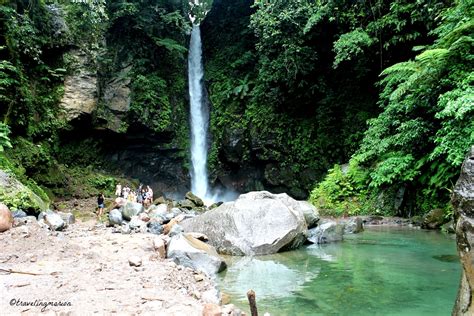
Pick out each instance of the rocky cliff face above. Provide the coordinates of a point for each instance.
(80, 88)
(463, 201)
(97, 108)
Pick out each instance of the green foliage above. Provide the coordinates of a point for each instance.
(298, 77)
(343, 192)
(427, 124)
(103, 183)
(351, 45)
(4, 139)
(151, 104)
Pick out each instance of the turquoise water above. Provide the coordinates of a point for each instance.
(382, 271)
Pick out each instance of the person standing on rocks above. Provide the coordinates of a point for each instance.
(118, 190)
(149, 195)
(100, 204)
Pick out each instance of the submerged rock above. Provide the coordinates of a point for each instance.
(326, 232)
(463, 202)
(257, 223)
(191, 252)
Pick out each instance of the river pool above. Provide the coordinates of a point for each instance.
(382, 271)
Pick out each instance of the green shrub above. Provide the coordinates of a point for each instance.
(343, 192)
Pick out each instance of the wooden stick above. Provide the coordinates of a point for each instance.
(10, 271)
(252, 303)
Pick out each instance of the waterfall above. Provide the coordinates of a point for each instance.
(199, 116)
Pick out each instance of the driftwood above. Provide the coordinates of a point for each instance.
(10, 271)
(252, 303)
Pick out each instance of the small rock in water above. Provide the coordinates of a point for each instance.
(135, 261)
(353, 226)
(326, 232)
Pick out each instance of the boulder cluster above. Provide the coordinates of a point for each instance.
(55, 221)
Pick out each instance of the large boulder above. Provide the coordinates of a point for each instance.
(463, 202)
(54, 221)
(257, 223)
(115, 217)
(131, 209)
(11, 189)
(191, 252)
(6, 218)
(326, 232)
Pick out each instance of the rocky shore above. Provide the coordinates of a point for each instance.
(92, 269)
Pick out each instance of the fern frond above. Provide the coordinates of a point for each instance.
(431, 56)
(403, 68)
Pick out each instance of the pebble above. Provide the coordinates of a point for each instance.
(135, 261)
(199, 277)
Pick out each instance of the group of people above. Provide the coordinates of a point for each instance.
(143, 195)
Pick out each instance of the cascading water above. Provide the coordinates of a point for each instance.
(199, 116)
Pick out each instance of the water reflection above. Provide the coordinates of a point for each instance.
(273, 276)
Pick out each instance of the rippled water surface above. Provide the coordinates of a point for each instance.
(382, 271)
